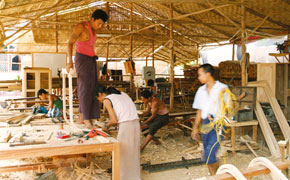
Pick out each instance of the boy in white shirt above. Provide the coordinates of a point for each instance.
(207, 103)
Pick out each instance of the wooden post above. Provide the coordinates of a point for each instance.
(108, 44)
(116, 162)
(197, 47)
(153, 53)
(288, 38)
(107, 61)
(56, 34)
(171, 55)
(233, 55)
(146, 61)
(243, 64)
(131, 48)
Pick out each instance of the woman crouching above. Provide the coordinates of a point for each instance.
(122, 112)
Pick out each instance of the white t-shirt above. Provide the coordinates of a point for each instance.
(123, 106)
(209, 103)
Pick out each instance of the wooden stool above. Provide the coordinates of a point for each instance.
(234, 125)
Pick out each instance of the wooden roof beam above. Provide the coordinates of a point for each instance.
(256, 13)
(199, 12)
(47, 8)
(207, 25)
(222, 14)
(53, 6)
(235, 23)
(164, 18)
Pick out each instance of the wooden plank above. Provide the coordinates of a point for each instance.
(12, 117)
(266, 72)
(283, 123)
(5, 136)
(38, 151)
(267, 131)
(181, 114)
(26, 120)
(251, 172)
(116, 161)
(239, 124)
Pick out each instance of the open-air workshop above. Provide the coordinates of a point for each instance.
(151, 90)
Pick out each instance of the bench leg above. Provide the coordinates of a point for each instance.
(233, 132)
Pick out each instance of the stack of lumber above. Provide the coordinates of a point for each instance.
(229, 68)
(13, 118)
(190, 81)
(190, 72)
(190, 85)
(10, 85)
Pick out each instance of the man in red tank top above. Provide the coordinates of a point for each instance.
(84, 38)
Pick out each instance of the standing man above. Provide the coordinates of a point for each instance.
(84, 37)
(207, 103)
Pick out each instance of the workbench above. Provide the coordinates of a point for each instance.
(59, 147)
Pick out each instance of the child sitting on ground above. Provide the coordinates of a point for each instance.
(55, 104)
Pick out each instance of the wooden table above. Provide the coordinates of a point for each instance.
(234, 126)
(59, 147)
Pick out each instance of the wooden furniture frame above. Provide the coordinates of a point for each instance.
(59, 147)
(242, 125)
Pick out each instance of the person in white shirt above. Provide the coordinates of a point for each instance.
(122, 112)
(207, 102)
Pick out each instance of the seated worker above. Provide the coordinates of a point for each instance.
(153, 89)
(55, 105)
(159, 116)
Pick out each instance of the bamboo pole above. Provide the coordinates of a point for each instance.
(233, 55)
(131, 48)
(199, 12)
(56, 35)
(153, 53)
(171, 55)
(37, 17)
(197, 47)
(243, 64)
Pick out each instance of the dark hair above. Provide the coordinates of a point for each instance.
(208, 68)
(146, 94)
(150, 82)
(100, 14)
(102, 89)
(41, 91)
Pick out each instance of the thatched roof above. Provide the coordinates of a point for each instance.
(196, 22)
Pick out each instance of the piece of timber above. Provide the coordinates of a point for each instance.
(282, 121)
(184, 163)
(250, 172)
(267, 131)
(42, 167)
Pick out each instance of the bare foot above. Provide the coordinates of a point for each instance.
(88, 124)
(80, 120)
(156, 141)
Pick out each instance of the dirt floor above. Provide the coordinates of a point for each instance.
(174, 145)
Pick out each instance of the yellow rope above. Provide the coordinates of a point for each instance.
(227, 111)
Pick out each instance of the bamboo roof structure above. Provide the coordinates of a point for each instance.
(46, 25)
